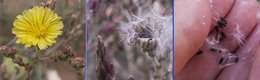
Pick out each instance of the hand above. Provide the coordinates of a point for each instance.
(195, 20)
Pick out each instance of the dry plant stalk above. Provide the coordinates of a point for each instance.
(105, 68)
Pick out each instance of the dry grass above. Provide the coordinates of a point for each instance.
(128, 62)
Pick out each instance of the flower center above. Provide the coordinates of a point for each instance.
(40, 32)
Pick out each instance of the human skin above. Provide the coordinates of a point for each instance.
(206, 66)
(254, 72)
(189, 29)
(196, 32)
(241, 70)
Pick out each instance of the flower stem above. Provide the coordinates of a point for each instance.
(28, 74)
(29, 66)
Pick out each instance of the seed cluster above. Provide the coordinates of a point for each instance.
(221, 23)
(228, 58)
(148, 33)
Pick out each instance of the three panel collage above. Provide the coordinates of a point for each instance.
(129, 39)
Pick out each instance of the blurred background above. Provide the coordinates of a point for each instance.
(103, 19)
(73, 15)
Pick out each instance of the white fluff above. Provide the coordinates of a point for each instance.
(238, 35)
(160, 28)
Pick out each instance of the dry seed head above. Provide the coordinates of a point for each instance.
(18, 60)
(150, 31)
(8, 51)
(78, 63)
(64, 55)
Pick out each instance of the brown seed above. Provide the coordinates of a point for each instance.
(215, 50)
(199, 52)
(222, 36)
(217, 29)
(221, 60)
(221, 23)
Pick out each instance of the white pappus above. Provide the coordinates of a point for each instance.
(150, 31)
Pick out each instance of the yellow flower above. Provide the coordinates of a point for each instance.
(38, 26)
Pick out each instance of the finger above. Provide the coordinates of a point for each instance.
(241, 70)
(254, 72)
(191, 26)
(239, 21)
(218, 8)
(200, 67)
(245, 53)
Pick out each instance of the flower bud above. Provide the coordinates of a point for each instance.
(7, 51)
(78, 62)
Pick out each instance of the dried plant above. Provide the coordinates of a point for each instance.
(105, 68)
(138, 38)
(150, 32)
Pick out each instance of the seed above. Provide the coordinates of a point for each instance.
(215, 50)
(221, 60)
(222, 36)
(217, 29)
(221, 23)
(199, 52)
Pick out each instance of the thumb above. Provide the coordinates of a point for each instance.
(191, 26)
